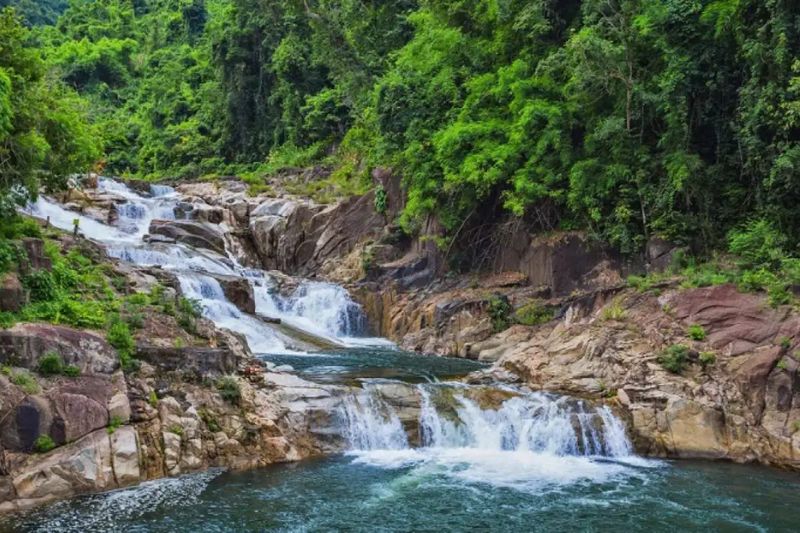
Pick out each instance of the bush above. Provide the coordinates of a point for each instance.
(696, 332)
(674, 358)
(613, 310)
(51, 364)
(381, 200)
(43, 444)
(25, 381)
(533, 314)
(758, 244)
(41, 285)
(229, 390)
(499, 310)
(119, 336)
(71, 371)
(707, 358)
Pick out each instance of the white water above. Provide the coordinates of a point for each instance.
(323, 309)
(528, 441)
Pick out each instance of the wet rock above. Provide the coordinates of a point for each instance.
(197, 234)
(239, 292)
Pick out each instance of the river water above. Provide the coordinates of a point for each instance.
(476, 458)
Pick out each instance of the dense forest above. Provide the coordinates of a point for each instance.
(627, 118)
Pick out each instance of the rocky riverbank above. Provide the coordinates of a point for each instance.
(702, 372)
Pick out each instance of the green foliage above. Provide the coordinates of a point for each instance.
(707, 359)
(758, 245)
(71, 371)
(229, 390)
(613, 310)
(43, 444)
(119, 336)
(675, 358)
(114, 424)
(380, 200)
(499, 312)
(44, 135)
(533, 314)
(25, 381)
(210, 420)
(696, 332)
(152, 399)
(782, 364)
(51, 364)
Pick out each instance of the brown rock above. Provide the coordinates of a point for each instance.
(13, 296)
(24, 344)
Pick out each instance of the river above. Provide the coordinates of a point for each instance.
(475, 458)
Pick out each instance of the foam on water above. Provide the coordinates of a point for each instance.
(528, 441)
(323, 309)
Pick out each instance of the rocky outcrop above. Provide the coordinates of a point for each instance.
(24, 345)
(196, 234)
(239, 292)
(734, 397)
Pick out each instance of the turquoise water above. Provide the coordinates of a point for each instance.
(375, 362)
(353, 494)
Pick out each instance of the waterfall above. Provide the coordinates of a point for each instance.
(450, 419)
(528, 441)
(323, 309)
(369, 423)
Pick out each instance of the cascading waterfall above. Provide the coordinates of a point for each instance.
(448, 418)
(323, 309)
(527, 442)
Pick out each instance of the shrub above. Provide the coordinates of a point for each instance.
(499, 310)
(25, 381)
(152, 398)
(758, 244)
(119, 336)
(782, 365)
(229, 390)
(210, 420)
(51, 364)
(43, 444)
(71, 371)
(533, 314)
(785, 342)
(381, 200)
(696, 332)
(613, 310)
(175, 428)
(41, 285)
(707, 358)
(674, 358)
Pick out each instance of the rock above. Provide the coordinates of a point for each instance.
(24, 344)
(81, 466)
(13, 296)
(125, 456)
(197, 234)
(29, 419)
(201, 361)
(37, 258)
(75, 416)
(239, 292)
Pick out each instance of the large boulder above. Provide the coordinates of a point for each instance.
(24, 344)
(192, 233)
